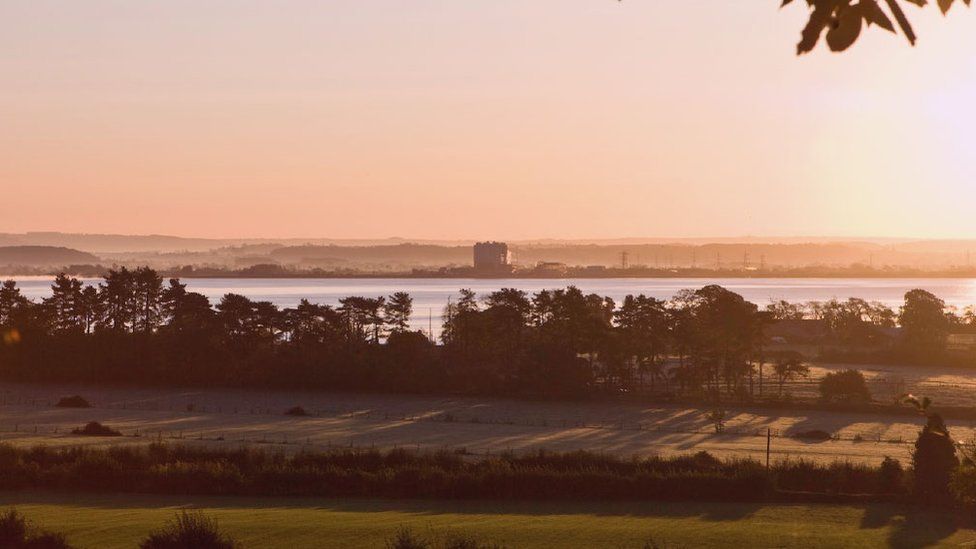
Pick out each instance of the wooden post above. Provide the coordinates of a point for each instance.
(768, 437)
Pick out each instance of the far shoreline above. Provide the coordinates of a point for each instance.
(697, 275)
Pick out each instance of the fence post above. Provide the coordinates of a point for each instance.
(768, 438)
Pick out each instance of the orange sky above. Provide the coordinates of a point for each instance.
(479, 119)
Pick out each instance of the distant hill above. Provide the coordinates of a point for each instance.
(398, 254)
(403, 254)
(37, 256)
(157, 243)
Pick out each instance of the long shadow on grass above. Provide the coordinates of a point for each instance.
(711, 511)
(911, 527)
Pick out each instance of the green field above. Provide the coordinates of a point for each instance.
(106, 521)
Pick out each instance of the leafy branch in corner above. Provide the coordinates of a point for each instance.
(843, 20)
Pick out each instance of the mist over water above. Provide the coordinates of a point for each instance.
(431, 295)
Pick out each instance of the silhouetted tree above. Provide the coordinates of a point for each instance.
(65, 308)
(789, 366)
(363, 316)
(117, 294)
(11, 300)
(643, 322)
(933, 461)
(784, 310)
(924, 323)
(236, 315)
(147, 287)
(726, 336)
(561, 342)
(847, 385)
(397, 311)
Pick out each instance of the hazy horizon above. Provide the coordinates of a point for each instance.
(619, 239)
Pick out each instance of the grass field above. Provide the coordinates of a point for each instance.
(476, 425)
(121, 521)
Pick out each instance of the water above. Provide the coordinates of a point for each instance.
(430, 295)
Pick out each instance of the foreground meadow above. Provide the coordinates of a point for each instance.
(117, 521)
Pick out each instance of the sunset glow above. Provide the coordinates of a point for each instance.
(433, 119)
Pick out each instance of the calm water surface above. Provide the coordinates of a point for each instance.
(430, 295)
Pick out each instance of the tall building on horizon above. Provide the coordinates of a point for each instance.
(492, 257)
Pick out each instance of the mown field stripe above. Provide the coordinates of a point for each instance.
(108, 521)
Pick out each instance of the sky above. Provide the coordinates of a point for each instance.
(507, 119)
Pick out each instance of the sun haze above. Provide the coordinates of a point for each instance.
(435, 119)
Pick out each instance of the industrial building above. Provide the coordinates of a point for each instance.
(492, 257)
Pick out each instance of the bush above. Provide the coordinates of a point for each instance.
(75, 401)
(164, 469)
(834, 478)
(963, 485)
(891, 476)
(717, 419)
(16, 533)
(815, 434)
(13, 528)
(296, 411)
(845, 386)
(933, 462)
(189, 531)
(404, 538)
(96, 429)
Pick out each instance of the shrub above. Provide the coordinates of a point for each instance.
(161, 468)
(296, 411)
(815, 434)
(406, 539)
(933, 461)
(890, 476)
(13, 528)
(845, 386)
(456, 540)
(963, 485)
(717, 419)
(834, 478)
(189, 530)
(16, 533)
(75, 401)
(96, 429)
(46, 540)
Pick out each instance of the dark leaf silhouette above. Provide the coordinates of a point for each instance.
(819, 19)
(843, 20)
(847, 28)
(874, 15)
(906, 27)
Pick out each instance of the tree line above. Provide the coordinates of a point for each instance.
(134, 327)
